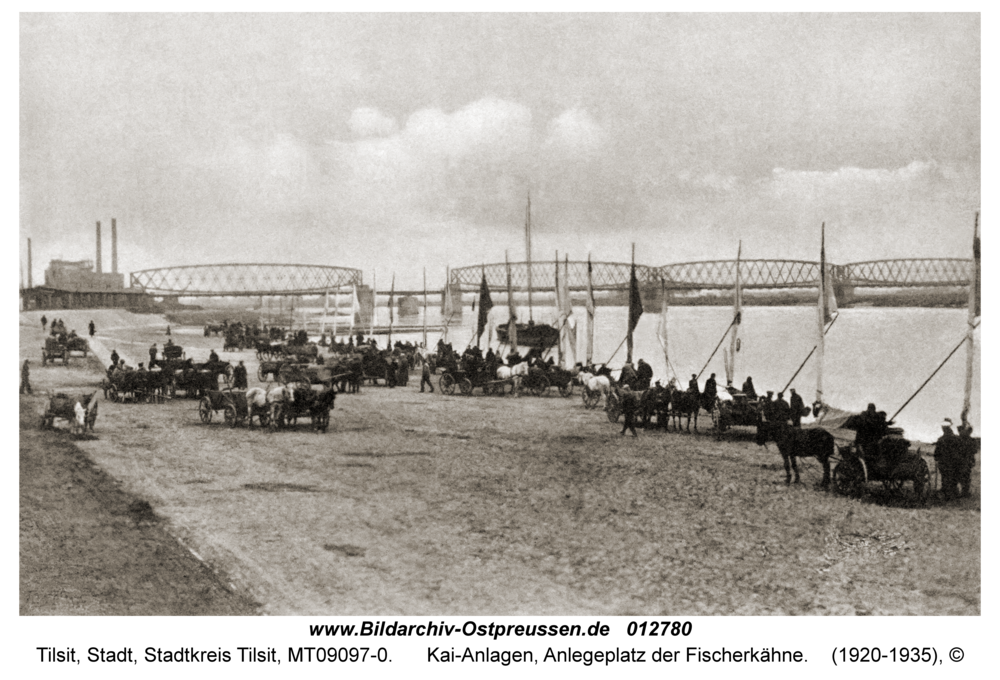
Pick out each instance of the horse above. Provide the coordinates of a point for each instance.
(795, 443)
(684, 403)
(516, 373)
(266, 403)
(600, 384)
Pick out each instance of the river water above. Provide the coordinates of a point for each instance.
(873, 354)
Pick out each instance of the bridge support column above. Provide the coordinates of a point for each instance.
(366, 301)
(844, 293)
(456, 298)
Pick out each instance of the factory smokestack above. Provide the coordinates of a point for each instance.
(114, 246)
(29, 263)
(99, 270)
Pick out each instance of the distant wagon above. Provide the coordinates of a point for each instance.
(53, 351)
(889, 462)
(232, 403)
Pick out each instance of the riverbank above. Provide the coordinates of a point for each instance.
(427, 504)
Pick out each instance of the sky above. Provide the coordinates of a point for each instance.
(394, 142)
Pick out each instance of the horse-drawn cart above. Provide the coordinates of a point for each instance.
(55, 350)
(890, 462)
(232, 403)
(734, 409)
(307, 402)
(467, 381)
(80, 412)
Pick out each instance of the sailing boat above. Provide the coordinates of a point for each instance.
(541, 336)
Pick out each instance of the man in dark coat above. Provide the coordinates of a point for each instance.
(630, 405)
(25, 378)
(152, 354)
(782, 411)
(45, 322)
(947, 455)
(711, 392)
(240, 377)
(92, 327)
(645, 373)
(767, 407)
(628, 376)
(748, 388)
(213, 357)
(114, 357)
(693, 385)
(797, 406)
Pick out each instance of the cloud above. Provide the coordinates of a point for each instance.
(575, 130)
(369, 122)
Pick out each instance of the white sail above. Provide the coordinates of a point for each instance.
(826, 309)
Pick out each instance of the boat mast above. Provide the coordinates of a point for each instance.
(734, 340)
(425, 307)
(822, 314)
(974, 310)
(527, 247)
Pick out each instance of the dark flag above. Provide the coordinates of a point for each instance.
(485, 305)
(634, 309)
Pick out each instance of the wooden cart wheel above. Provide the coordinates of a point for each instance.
(230, 415)
(465, 386)
(447, 384)
(205, 410)
(539, 385)
(849, 477)
(566, 390)
(614, 407)
(261, 375)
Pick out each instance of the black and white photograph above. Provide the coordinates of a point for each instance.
(620, 318)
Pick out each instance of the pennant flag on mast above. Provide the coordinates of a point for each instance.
(447, 311)
(975, 310)
(661, 329)
(824, 315)
(590, 311)
(392, 294)
(729, 360)
(568, 324)
(559, 313)
(634, 306)
(512, 312)
(355, 307)
(485, 305)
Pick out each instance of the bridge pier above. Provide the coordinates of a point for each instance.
(844, 294)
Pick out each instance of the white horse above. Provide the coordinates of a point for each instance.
(260, 401)
(599, 384)
(516, 373)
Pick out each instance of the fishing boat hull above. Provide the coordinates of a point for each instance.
(537, 335)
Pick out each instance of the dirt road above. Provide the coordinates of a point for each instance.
(426, 504)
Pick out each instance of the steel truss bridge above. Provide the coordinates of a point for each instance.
(721, 274)
(256, 279)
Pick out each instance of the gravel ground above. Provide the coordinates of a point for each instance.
(426, 504)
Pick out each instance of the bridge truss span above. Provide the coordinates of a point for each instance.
(753, 274)
(925, 272)
(255, 279)
(606, 275)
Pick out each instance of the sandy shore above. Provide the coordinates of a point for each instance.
(426, 504)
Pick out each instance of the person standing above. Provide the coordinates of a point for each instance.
(25, 378)
(782, 411)
(114, 357)
(240, 377)
(425, 376)
(92, 328)
(45, 322)
(711, 392)
(947, 456)
(629, 407)
(797, 405)
(152, 355)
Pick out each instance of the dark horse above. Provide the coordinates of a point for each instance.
(684, 403)
(795, 443)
